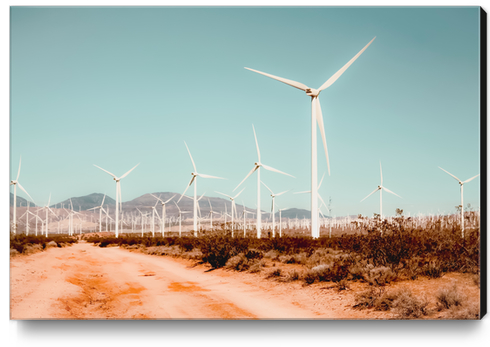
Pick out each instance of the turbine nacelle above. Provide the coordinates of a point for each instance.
(312, 92)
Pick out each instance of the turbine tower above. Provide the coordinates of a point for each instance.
(316, 116)
(272, 208)
(461, 185)
(233, 207)
(257, 166)
(194, 179)
(380, 188)
(118, 192)
(16, 183)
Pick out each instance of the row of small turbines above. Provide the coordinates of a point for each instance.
(316, 117)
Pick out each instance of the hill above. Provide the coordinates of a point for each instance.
(20, 201)
(83, 203)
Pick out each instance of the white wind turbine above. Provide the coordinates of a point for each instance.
(194, 179)
(16, 183)
(211, 214)
(272, 208)
(257, 166)
(280, 220)
(316, 116)
(118, 192)
(100, 212)
(180, 218)
(233, 207)
(380, 188)
(461, 188)
(47, 217)
(164, 211)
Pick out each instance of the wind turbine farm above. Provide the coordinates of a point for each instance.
(134, 93)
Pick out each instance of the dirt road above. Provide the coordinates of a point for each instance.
(87, 282)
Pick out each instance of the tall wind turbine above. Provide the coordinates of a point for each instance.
(233, 207)
(461, 185)
(164, 210)
(16, 183)
(118, 192)
(380, 188)
(316, 116)
(257, 166)
(272, 208)
(194, 179)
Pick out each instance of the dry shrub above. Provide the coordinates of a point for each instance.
(380, 276)
(257, 266)
(343, 284)
(238, 263)
(272, 254)
(274, 273)
(408, 306)
(13, 252)
(292, 275)
(449, 297)
(368, 298)
(471, 311)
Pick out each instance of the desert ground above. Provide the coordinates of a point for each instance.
(84, 281)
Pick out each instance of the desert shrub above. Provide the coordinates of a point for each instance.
(343, 284)
(408, 306)
(274, 273)
(256, 266)
(448, 297)
(13, 252)
(380, 276)
(432, 269)
(238, 263)
(51, 244)
(272, 254)
(368, 298)
(471, 311)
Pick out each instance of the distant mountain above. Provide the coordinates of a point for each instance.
(145, 203)
(20, 201)
(85, 202)
(293, 213)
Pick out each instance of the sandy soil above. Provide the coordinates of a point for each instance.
(88, 282)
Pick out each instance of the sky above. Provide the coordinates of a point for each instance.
(116, 87)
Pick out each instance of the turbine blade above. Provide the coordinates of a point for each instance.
(25, 191)
(194, 165)
(335, 76)
(224, 194)
(457, 179)
(192, 180)
(170, 199)
(471, 178)
(389, 191)
(251, 172)
(53, 212)
(18, 172)
(275, 170)
(209, 176)
(106, 171)
(103, 199)
(283, 80)
(374, 191)
(381, 172)
(303, 192)
(156, 197)
(282, 192)
(319, 119)
(128, 172)
(256, 143)
(267, 187)
(321, 181)
(238, 193)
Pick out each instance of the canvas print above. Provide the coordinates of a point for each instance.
(245, 163)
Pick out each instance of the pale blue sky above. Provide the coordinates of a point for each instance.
(120, 86)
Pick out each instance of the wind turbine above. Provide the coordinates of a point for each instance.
(211, 214)
(16, 183)
(100, 212)
(272, 208)
(47, 217)
(280, 220)
(180, 218)
(233, 207)
(257, 166)
(164, 210)
(461, 185)
(316, 116)
(194, 179)
(118, 192)
(380, 188)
